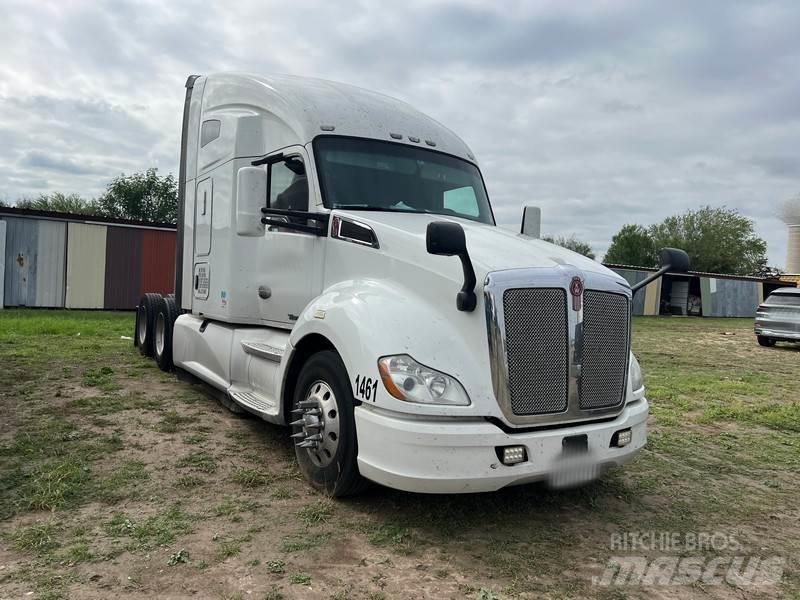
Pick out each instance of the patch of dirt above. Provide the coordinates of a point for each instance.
(188, 475)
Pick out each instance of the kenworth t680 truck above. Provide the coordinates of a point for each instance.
(340, 270)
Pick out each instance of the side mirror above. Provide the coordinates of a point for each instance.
(251, 195)
(447, 239)
(531, 221)
(676, 260)
(669, 259)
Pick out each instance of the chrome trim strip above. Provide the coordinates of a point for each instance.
(336, 231)
(495, 284)
(263, 350)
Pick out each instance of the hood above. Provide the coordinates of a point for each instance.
(491, 248)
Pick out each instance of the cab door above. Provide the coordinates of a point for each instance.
(289, 261)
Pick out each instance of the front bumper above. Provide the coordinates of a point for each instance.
(459, 457)
(782, 334)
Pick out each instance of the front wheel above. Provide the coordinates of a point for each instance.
(765, 341)
(323, 426)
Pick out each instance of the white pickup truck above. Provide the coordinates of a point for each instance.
(340, 270)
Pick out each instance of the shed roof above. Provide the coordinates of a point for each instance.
(693, 273)
(78, 218)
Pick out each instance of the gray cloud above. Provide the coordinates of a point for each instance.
(779, 166)
(601, 113)
(36, 159)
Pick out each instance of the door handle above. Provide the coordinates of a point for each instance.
(264, 292)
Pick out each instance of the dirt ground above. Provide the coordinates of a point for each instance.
(117, 480)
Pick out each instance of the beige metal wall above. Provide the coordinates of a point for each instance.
(652, 298)
(86, 265)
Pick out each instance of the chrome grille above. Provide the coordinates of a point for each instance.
(537, 349)
(606, 347)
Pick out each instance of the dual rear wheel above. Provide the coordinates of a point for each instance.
(155, 320)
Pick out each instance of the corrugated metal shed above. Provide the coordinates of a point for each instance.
(86, 265)
(158, 261)
(679, 295)
(721, 295)
(634, 277)
(2, 263)
(51, 256)
(791, 278)
(54, 259)
(34, 263)
(123, 270)
(21, 245)
(646, 302)
(729, 297)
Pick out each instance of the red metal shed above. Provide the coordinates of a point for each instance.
(158, 262)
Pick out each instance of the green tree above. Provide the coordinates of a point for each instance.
(571, 243)
(718, 240)
(141, 196)
(632, 245)
(59, 202)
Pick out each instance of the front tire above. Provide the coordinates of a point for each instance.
(145, 319)
(323, 426)
(765, 341)
(162, 332)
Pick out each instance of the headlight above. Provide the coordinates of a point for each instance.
(637, 382)
(406, 379)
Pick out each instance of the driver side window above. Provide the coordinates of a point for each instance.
(288, 185)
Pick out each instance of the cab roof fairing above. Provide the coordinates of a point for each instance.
(303, 106)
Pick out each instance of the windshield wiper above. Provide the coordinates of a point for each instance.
(360, 207)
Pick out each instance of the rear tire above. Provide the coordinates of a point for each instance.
(324, 389)
(136, 329)
(145, 319)
(765, 341)
(162, 332)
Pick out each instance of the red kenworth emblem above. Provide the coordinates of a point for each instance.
(576, 289)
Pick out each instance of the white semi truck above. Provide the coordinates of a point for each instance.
(340, 270)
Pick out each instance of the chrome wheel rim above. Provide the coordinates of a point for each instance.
(160, 326)
(141, 331)
(316, 428)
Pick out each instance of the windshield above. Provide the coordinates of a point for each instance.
(363, 174)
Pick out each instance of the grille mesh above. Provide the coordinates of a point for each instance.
(537, 349)
(605, 349)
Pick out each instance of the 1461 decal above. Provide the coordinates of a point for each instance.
(366, 388)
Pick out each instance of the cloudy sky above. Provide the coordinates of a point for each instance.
(602, 113)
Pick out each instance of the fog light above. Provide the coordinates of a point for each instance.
(622, 438)
(513, 455)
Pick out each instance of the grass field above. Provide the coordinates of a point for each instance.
(118, 481)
